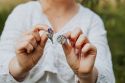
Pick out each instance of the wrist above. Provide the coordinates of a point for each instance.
(85, 78)
(16, 70)
(89, 77)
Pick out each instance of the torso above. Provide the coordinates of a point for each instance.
(52, 67)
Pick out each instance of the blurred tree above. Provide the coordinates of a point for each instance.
(103, 4)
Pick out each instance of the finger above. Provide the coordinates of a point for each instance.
(36, 35)
(29, 48)
(31, 39)
(88, 55)
(35, 31)
(67, 45)
(24, 47)
(44, 38)
(75, 34)
(89, 49)
(38, 52)
(42, 32)
(67, 35)
(81, 41)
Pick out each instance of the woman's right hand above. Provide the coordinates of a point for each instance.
(29, 51)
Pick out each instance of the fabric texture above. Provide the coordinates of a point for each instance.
(52, 67)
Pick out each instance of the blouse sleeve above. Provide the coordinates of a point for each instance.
(103, 63)
(12, 30)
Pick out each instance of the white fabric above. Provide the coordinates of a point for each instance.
(52, 67)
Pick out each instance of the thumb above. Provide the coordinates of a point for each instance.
(44, 37)
(67, 45)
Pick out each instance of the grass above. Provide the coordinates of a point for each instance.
(114, 23)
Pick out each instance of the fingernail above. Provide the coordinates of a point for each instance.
(42, 33)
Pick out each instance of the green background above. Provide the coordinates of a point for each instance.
(113, 15)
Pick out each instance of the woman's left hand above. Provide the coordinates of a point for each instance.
(80, 53)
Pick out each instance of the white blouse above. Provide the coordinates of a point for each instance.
(52, 67)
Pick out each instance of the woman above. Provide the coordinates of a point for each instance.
(85, 58)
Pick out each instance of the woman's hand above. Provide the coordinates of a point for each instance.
(80, 53)
(28, 52)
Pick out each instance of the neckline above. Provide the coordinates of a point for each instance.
(65, 25)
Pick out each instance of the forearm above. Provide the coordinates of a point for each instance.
(91, 78)
(16, 71)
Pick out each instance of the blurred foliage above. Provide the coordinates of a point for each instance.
(6, 6)
(113, 15)
(3, 17)
(114, 20)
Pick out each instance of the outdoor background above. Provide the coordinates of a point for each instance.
(113, 15)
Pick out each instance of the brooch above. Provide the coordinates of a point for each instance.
(50, 34)
(61, 39)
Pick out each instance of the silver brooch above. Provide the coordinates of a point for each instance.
(50, 34)
(61, 39)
